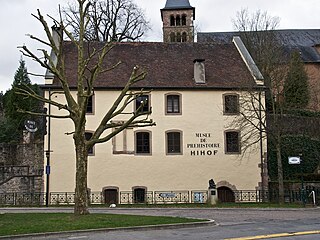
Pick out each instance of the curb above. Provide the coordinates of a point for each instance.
(209, 222)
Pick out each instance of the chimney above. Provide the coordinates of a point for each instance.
(199, 71)
(57, 37)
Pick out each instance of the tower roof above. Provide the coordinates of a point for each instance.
(177, 4)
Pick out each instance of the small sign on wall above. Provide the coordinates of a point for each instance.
(294, 160)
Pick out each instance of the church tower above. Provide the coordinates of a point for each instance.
(177, 17)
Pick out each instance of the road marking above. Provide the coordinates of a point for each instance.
(278, 235)
(79, 237)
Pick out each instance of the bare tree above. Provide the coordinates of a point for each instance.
(89, 66)
(257, 32)
(109, 20)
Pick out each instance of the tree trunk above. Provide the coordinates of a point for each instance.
(81, 191)
(280, 170)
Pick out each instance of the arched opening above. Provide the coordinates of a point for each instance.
(178, 37)
(111, 195)
(172, 37)
(184, 37)
(225, 194)
(172, 20)
(184, 20)
(139, 195)
(178, 20)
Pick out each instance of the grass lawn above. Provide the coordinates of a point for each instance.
(22, 223)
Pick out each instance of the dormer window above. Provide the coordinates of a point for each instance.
(199, 71)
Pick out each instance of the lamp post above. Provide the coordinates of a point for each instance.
(48, 177)
(302, 182)
(48, 153)
(261, 150)
(298, 161)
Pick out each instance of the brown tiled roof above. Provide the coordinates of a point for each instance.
(169, 65)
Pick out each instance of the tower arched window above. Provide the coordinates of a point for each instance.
(178, 20)
(172, 37)
(172, 20)
(184, 37)
(178, 37)
(184, 20)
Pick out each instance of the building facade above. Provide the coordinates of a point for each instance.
(195, 95)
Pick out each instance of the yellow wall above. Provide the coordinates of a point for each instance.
(202, 112)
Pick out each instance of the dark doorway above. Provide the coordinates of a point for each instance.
(139, 195)
(111, 196)
(225, 194)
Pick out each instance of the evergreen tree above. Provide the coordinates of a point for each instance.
(296, 91)
(12, 124)
(21, 77)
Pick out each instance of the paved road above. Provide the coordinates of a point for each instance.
(231, 223)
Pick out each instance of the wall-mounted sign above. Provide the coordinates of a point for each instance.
(167, 195)
(31, 126)
(294, 160)
(203, 145)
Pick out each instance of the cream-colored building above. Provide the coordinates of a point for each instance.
(196, 91)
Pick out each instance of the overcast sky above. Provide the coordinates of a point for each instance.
(211, 16)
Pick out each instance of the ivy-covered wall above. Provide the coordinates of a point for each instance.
(293, 145)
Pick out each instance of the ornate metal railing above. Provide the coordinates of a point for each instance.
(96, 198)
(57, 198)
(30, 199)
(171, 197)
(248, 196)
(199, 196)
(131, 197)
(156, 197)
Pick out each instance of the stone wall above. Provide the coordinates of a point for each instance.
(27, 154)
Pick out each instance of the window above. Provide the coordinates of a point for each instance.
(232, 141)
(184, 37)
(172, 20)
(143, 145)
(123, 142)
(178, 37)
(231, 104)
(172, 37)
(178, 20)
(184, 20)
(174, 143)
(173, 104)
(88, 136)
(89, 109)
(144, 101)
